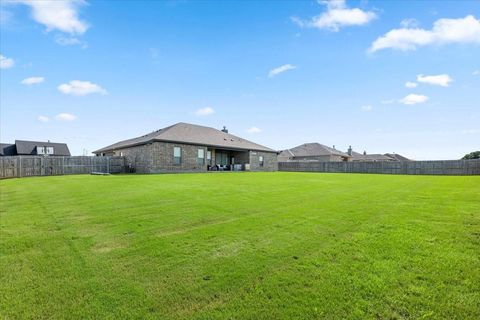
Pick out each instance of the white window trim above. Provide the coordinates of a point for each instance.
(179, 156)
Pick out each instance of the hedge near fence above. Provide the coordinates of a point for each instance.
(26, 166)
(448, 167)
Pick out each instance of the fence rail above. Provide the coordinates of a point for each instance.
(448, 167)
(26, 166)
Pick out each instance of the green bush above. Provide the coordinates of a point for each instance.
(472, 155)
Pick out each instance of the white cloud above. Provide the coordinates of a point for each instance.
(254, 130)
(33, 80)
(204, 111)
(409, 23)
(70, 41)
(442, 80)
(366, 108)
(80, 88)
(338, 15)
(476, 73)
(281, 69)
(5, 62)
(43, 118)
(414, 99)
(410, 84)
(444, 31)
(58, 15)
(65, 117)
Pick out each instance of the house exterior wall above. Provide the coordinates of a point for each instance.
(242, 157)
(281, 158)
(211, 162)
(270, 162)
(162, 154)
(137, 157)
(157, 157)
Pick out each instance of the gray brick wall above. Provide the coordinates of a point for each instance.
(270, 162)
(162, 153)
(157, 157)
(137, 157)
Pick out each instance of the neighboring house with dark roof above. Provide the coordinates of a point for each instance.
(397, 157)
(7, 149)
(374, 157)
(34, 148)
(185, 147)
(313, 152)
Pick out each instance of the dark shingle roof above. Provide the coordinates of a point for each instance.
(7, 149)
(29, 147)
(312, 150)
(190, 134)
(370, 157)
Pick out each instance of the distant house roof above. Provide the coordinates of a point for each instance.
(370, 157)
(312, 150)
(190, 134)
(7, 149)
(29, 147)
(397, 157)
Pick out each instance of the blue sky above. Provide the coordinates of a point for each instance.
(278, 73)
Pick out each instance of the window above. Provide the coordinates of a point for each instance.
(260, 160)
(44, 150)
(221, 158)
(40, 150)
(177, 155)
(201, 157)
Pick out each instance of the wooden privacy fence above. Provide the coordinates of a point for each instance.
(448, 167)
(26, 166)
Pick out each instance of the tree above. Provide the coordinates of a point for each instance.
(472, 155)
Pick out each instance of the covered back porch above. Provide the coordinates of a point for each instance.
(227, 159)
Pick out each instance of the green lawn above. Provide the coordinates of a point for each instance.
(240, 246)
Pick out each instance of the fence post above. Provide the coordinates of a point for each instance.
(20, 166)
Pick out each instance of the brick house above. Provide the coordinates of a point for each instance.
(375, 157)
(185, 147)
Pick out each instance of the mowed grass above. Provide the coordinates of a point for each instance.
(240, 246)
